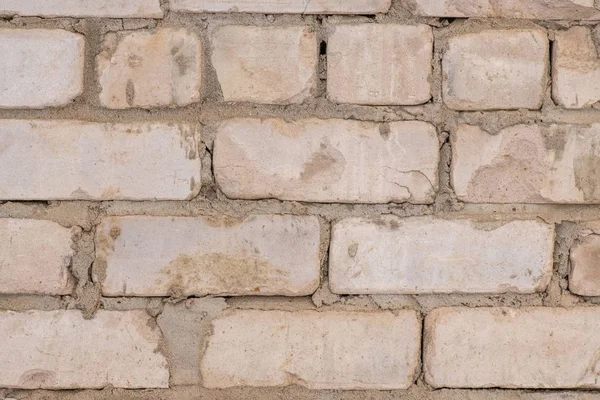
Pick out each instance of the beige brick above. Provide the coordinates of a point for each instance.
(35, 257)
(46, 160)
(496, 69)
(527, 9)
(392, 255)
(512, 348)
(266, 65)
(283, 6)
(150, 69)
(527, 164)
(61, 350)
(82, 8)
(40, 67)
(380, 64)
(575, 69)
(584, 278)
(327, 160)
(318, 350)
(262, 255)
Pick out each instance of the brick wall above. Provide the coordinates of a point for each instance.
(326, 199)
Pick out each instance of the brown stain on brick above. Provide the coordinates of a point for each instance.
(327, 165)
(218, 273)
(585, 259)
(586, 166)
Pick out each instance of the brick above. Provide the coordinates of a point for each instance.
(526, 9)
(318, 350)
(327, 160)
(185, 327)
(71, 160)
(376, 64)
(40, 67)
(35, 257)
(150, 69)
(82, 8)
(392, 255)
(61, 350)
(283, 6)
(158, 256)
(496, 69)
(575, 69)
(527, 164)
(265, 65)
(584, 278)
(542, 347)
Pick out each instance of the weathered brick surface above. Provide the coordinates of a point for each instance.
(401, 256)
(584, 278)
(380, 64)
(319, 350)
(150, 69)
(262, 255)
(34, 257)
(83, 8)
(79, 160)
(40, 67)
(528, 9)
(575, 69)
(266, 65)
(61, 350)
(283, 6)
(512, 348)
(527, 164)
(327, 160)
(496, 69)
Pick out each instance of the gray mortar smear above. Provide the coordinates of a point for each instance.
(84, 216)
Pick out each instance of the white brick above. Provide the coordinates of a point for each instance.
(46, 160)
(584, 278)
(150, 69)
(327, 160)
(283, 6)
(318, 350)
(380, 64)
(40, 67)
(266, 65)
(527, 9)
(575, 69)
(61, 350)
(392, 255)
(496, 69)
(82, 8)
(262, 255)
(34, 257)
(527, 164)
(512, 348)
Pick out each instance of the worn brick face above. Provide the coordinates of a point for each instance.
(150, 69)
(527, 9)
(327, 160)
(393, 255)
(44, 160)
(40, 67)
(266, 65)
(262, 255)
(512, 348)
(576, 69)
(318, 350)
(83, 8)
(527, 164)
(380, 64)
(34, 257)
(283, 6)
(584, 278)
(61, 350)
(496, 69)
